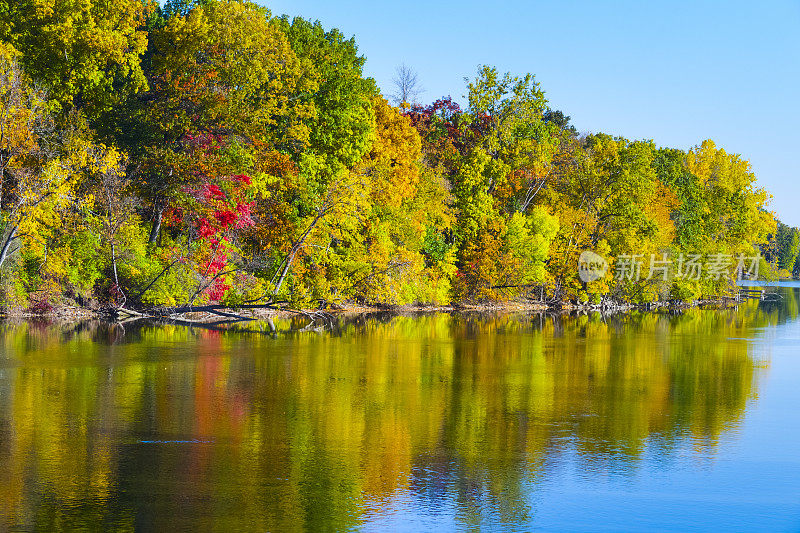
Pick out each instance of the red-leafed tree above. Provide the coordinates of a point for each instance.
(210, 212)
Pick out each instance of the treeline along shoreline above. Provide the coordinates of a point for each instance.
(207, 154)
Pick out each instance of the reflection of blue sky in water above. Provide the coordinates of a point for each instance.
(760, 283)
(436, 422)
(748, 480)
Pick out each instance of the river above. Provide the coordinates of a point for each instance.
(441, 422)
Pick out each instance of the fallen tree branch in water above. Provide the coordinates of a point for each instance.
(177, 314)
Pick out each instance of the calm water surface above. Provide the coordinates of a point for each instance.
(436, 422)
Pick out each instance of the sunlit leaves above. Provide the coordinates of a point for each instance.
(211, 152)
(225, 67)
(86, 54)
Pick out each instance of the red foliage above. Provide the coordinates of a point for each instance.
(211, 209)
(214, 211)
(446, 129)
(245, 217)
(210, 191)
(40, 307)
(204, 228)
(217, 262)
(225, 218)
(217, 290)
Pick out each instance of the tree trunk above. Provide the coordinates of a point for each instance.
(285, 270)
(114, 263)
(7, 244)
(155, 231)
(118, 289)
(295, 249)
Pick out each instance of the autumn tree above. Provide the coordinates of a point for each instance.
(206, 152)
(29, 181)
(224, 69)
(86, 54)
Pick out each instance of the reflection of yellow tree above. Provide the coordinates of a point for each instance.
(315, 430)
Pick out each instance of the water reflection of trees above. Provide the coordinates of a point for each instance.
(458, 413)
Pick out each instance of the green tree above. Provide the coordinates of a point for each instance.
(86, 54)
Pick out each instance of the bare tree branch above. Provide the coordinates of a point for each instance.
(407, 87)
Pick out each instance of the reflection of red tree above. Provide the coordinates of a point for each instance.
(221, 406)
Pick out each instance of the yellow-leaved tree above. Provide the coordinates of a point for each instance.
(86, 54)
(42, 178)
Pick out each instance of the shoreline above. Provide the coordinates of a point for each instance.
(220, 315)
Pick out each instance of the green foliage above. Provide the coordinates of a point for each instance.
(83, 267)
(208, 152)
(434, 246)
(86, 54)
(784, 248)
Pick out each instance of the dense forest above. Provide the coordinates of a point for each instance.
(210, 152)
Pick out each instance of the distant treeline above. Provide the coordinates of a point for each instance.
(783, 250)
(208, 152)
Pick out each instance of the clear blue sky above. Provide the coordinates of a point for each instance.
(675, 72)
